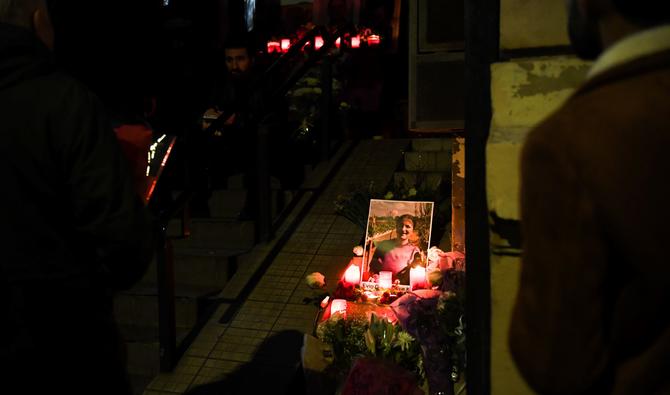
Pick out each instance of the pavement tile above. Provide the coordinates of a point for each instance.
(344, 226)
(173, 382)
(215, 370)
(285, 260)
(303, 242)
(339, 244)
(275, 288)
(316, 223)
(257, 315)
(298, 317)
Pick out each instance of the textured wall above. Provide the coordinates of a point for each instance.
(532, 23)
(523, 91)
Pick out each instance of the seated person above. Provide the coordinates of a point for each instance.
(243, 98)
(229, 146)
(397, 255)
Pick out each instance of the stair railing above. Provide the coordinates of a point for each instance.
(165, 273)
(264, 228)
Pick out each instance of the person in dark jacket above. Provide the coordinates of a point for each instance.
(591, 314)
(237, 104)
(74, 230)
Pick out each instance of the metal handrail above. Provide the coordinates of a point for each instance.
(164, 257)
(165, 272)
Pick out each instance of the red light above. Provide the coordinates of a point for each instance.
(356, 41)
(338, 42)
(318, 42)
(274, 46)
(373, 40)
(285, 44)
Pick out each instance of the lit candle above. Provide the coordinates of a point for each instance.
(385, 279)
(274, 46)
(318, 42)
(355, 41)
(338, 306)
(352, 275)
(337, 42)
(285, 44)
(324, 302)
(417, 277)
(373, 40)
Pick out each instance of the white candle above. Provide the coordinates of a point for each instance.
(385, 279)
(417, 277)
(352, 275)
(338, 306)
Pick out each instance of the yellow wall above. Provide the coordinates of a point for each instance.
(523, 91)
(532, 23)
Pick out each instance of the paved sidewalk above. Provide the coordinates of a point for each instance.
(257, 350)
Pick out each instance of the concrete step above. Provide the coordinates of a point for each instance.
(138, 306)
(428, 161)
(427, 180)
(228, 203)
(215, 234)
(199, 268)
(237, 182)
(139, 382)
(432, 144)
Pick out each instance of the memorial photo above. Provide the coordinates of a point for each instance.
(397, 238)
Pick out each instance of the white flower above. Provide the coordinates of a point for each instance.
(442, 300)
(404, 340)
(316, 280)
(434, 255)
(358, 251)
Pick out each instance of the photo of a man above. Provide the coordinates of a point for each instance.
(398, 235)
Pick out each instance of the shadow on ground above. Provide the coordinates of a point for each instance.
(275, 369)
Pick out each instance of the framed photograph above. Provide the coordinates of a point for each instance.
(397, 239)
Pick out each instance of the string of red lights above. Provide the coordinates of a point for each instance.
(351, 41)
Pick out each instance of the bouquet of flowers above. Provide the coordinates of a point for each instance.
(436, 318)
(358, 337)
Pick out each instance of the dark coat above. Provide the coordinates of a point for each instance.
(592, 315)
(73, 228)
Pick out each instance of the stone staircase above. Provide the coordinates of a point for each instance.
(427, 167)
(204, 263)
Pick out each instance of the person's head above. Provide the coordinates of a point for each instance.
(30, 14)
(239, 56)
(594, 25)
(405, 225)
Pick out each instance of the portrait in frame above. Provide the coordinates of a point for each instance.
(396, 240)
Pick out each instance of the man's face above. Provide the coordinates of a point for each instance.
(583, 31)
(238, 61)
(405, 230)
